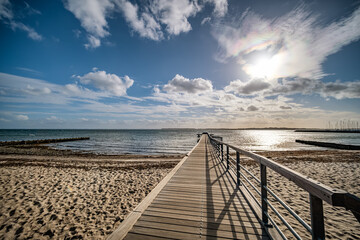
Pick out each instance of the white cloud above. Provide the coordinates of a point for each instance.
(294, 45)
(5, 10)
(22, 89)
(107, 82)
(144, 24)
(9, 18)
(92, 16)
(29, 70)
(184, 85)
(30, 31)
(174, 14)
(36, 90)
(205, 20)
(221, 7)
(22, 117)
(154, 20)
(54, 119)
(94, 42)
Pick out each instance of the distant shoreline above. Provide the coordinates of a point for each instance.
(327, 130)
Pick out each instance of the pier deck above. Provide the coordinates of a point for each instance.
(200, 201)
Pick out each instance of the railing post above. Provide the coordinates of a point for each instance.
(317, 218)
(238, 183)
(227, 157)
(222, 152)
(264, 205)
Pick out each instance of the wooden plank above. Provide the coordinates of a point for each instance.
(184, 235)
(214, 212)
(137, 236)
(192, 207)
(239, 233)
(205, 224)
(129, 221)
(226, 220)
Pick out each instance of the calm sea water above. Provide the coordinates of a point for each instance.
(176, 141)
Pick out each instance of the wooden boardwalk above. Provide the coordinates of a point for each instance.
(200, 201)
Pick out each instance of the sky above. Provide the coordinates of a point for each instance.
(123, 64)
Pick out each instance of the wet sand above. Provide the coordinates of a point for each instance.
(62, 195)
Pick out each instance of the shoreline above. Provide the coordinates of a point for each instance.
(63, 194)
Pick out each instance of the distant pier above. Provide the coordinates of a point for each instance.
(42, 141)
(330, 145)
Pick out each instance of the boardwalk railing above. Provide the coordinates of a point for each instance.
(318, 192)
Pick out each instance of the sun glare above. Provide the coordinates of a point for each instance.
(264, 67)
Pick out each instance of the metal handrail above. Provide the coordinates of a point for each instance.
(317, 191)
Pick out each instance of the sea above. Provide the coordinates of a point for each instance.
(176, 141)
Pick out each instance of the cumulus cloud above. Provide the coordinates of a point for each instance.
(92, 16)
(142, 23)
(184, 85)
(10, 19)
(154, 20)
(107, 82)
(174, 14)
(285, 107)
(294, 45)
(247, 88)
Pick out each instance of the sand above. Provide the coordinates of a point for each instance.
(63, 195)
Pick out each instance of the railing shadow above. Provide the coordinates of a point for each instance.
(229, 194)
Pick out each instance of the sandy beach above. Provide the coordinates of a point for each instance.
(47, 193)
(61, 195)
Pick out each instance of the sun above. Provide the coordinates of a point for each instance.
(264, 67)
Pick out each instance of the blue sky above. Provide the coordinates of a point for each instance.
(178, 63)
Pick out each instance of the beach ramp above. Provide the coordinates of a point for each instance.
(197, 200)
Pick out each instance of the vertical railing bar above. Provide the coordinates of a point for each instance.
(227, 157)
(264, 205)
(238, 169)
(222, 152)
(317, 218)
